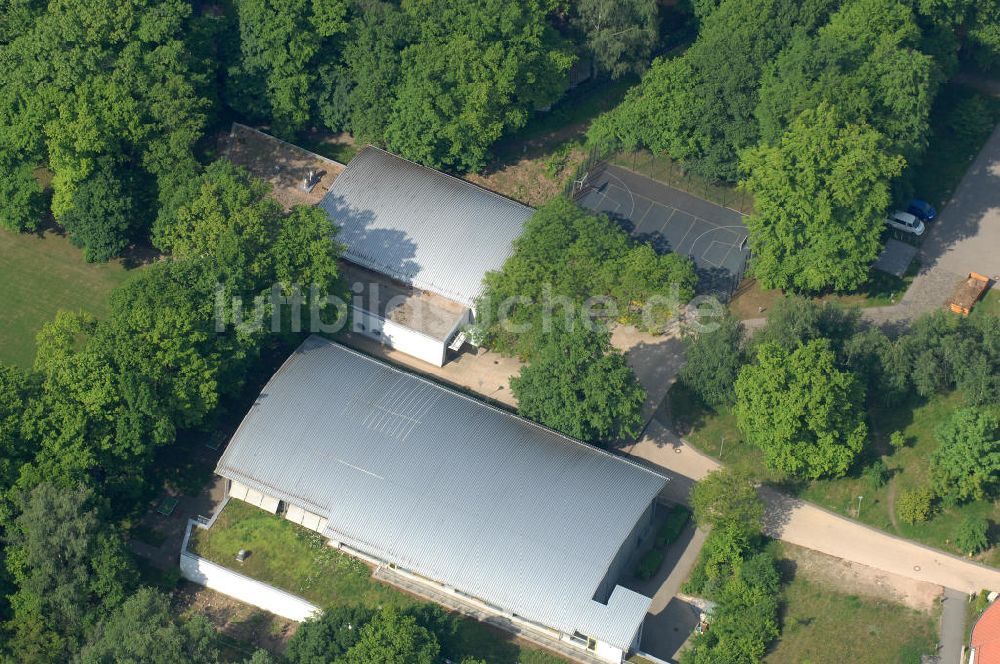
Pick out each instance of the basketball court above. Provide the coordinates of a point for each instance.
(673, 220)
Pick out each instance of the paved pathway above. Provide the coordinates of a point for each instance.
(671, 620)
(813, 527)
(953, 626)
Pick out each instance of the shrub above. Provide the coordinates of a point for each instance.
(673, 526)
(650, 564)
(876, 474)
(897, 440)
(981, 603)
(914, 506)
(971, 535)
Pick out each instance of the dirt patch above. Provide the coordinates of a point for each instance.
(245, 628)
(533, 179)
(287, 167)
(855, 579)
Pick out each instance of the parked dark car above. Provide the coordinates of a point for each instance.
(922, 210)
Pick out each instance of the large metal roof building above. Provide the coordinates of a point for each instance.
(421, 226)
(402, 470)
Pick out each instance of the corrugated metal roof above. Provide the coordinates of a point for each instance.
(448, 487)
(421, 226)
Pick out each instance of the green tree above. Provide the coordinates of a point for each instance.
(476, 71)
(304, 250)
(620, 34)
(795, 320)
(651, 287)
(966, 463)
(713, 359)
(114, 391)
(699, 107)
(820, 196)
(79, 91)
(325, 638)
(805, 414)
(726, 498)
(972, 535)
(372, 59)
(391, 637)
(101, 215)
(282, 48)
(866, 61)
(564, 257)
(21, 201)
(915, 505)
(878, 364)
(145, 630)
(225, 214)
(69, 570)
(229, 217)
(17, 392)
(578, 384)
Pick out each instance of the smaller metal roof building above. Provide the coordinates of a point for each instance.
(420, 226)
(448, 487)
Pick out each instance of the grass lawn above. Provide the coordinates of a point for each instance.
(298, 560)
(882, 289)
(821, 625)
(41, 274)
(990, 304)
(908, 467)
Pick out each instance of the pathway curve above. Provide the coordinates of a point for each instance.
(810, 526)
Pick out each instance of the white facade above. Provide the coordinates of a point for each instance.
(402, 338)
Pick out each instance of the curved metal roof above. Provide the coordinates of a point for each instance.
(448, 487)
(421, 226)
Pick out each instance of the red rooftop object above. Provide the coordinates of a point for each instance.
(986, 637)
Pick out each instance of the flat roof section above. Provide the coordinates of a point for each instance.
(282, 164)
(423, 311)
(447, 487)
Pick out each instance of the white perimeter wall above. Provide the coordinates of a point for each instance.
(401, 338)
(206, 573)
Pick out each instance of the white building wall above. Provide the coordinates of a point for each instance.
(609, 653)
(401, 338)
(206, 573)
(254, 497)
(305, 518)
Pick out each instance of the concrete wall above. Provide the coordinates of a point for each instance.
(401, 338)
(204, 572)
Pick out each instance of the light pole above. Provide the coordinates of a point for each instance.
(722, 445)
(859, 506)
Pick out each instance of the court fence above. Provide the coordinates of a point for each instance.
(597, 156)
(664, 169)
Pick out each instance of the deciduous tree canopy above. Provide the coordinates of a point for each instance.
(805, 414)
(966, 464)
(576, 383)
(820, 197)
